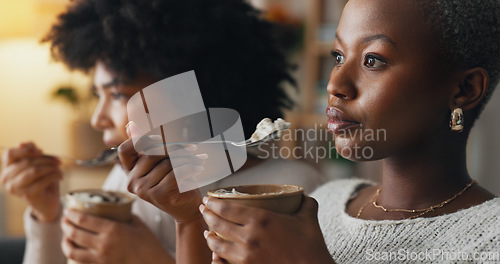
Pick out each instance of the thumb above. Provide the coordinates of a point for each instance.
(127, 154)
(128, 128)
(24, 150)
(134, 131)
(309, 207)
(136, 221)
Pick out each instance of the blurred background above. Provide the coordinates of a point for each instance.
(41, 101)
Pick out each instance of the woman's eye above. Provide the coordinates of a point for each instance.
(339, 58)
(373, 62)
(94, 92)
(117, 95)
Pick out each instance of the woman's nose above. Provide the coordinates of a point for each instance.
(100, 119)
(341, 84)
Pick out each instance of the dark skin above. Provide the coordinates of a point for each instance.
(390, 75)
(152, 178)
(424, 162)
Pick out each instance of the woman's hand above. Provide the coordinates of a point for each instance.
(152, 179)
(255, 235)
(29, 174)
(93, 239)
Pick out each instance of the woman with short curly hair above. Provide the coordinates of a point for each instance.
(421, 71)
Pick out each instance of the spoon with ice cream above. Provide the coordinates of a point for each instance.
(266, 130)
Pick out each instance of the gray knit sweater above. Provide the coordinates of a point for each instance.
(471, 235)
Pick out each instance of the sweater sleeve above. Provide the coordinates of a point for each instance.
(43, 241)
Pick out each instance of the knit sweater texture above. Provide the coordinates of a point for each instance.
(470, 235)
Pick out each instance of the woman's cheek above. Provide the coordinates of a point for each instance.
(121, 117)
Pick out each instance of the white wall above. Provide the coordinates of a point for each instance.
(27, 112)
(484, 146)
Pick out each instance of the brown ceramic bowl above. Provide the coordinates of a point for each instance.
(117, 211)
(279, 198)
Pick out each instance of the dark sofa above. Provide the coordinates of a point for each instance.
(12, 250)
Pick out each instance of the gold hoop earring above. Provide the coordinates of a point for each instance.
(457, 120)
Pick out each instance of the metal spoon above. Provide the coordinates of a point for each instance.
(247, 143)
(109, 155)
(105, 157)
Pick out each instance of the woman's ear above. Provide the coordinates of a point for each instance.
(471, 89)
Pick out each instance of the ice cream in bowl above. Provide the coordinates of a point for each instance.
(279, 198)
(115, 206)
(108, 204)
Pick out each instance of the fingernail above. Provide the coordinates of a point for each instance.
(202, 208)
(202, 156)
(157, 138)
(27, 144)
(205, 200)
(199, 168)
(127, 128)
(205, 234)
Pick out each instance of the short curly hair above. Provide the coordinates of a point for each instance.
(226, 42)
(469, 34)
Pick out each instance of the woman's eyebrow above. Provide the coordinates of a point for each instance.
(379, 37)
(112, 83)
(338, 38)
(372, 38)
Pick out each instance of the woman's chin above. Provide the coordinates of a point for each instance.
(357, 152)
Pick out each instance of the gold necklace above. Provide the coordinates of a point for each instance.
(420, 211)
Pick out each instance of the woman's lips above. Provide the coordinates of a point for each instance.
(338, 121)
